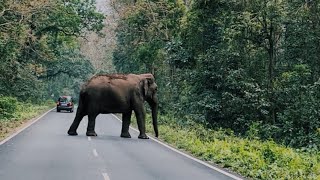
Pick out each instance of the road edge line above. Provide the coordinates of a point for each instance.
(26, 126)
(188, 156)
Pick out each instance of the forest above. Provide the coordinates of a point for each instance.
(240, 69)
(249, 66)
(40, 55)
(239, 80)
(39, 49)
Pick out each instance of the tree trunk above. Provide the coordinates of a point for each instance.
(271, 66)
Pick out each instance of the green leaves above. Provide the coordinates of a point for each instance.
(252, 66)
(39, 39)
(74, 18)
(8, 106)
(142, 33)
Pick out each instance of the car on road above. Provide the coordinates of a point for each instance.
(65, 103)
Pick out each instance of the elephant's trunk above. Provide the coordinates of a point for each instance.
(154, 108)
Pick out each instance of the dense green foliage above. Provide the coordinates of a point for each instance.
(8, 107)
(40, 56)
(250, 66)
(39, 47)
(236, 78)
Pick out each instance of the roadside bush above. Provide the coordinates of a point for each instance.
(299, 120)
(8, 106)
(249, 157)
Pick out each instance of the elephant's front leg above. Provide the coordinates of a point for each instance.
(91, 125)
(126, 120)
(141, 120)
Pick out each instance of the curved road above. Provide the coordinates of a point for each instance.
(44, 151)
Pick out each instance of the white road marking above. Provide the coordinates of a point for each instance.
(89, 138)
(28, 125)
(188, 156)
(95, 153)
(105, 176)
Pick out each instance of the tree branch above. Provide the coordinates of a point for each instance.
(3, 11)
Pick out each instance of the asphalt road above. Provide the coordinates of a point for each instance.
(44, 151)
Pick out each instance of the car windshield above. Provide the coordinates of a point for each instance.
(64, 99)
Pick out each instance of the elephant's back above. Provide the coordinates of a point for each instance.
(112, 81)
(109, 95)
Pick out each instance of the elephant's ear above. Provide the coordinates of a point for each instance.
(147, 79)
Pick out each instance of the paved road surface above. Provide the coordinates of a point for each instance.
(44, 151)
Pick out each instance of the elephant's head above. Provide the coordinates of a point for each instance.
(149, 88)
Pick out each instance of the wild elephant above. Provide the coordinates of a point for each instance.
(116, 93)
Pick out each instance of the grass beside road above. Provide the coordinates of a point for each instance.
(23, 112)
(249, 157)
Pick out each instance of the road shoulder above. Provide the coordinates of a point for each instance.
(9, 129)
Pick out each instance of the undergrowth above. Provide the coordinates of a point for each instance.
(250, 157)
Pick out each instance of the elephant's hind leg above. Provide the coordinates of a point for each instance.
(74, 126)
(126, 119)
(91, 125)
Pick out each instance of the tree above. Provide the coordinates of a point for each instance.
(232, 64)
(37, 36)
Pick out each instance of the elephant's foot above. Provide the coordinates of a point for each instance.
(125, 135)
(143, 136)
(72, 133)
(91, 133)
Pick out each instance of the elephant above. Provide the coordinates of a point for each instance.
(117, 93)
